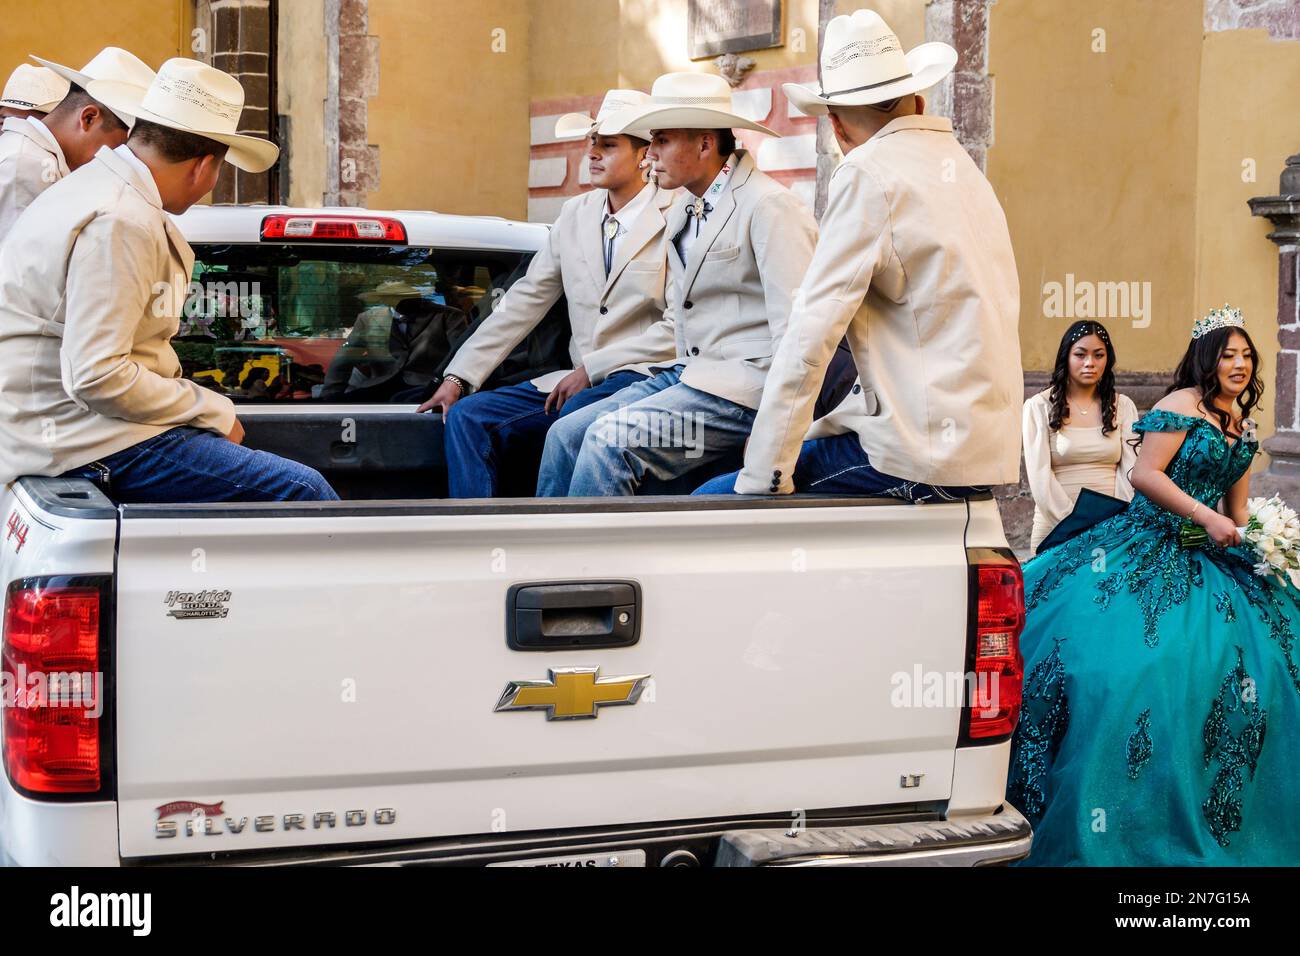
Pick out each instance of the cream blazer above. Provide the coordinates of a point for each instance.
(915, 265)
(30, 163)
(92, 283)
(617, 322)
(729, 304)
(1053, 501)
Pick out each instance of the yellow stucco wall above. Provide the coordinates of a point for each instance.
(451, 117)
(574, 46)
(1248, 84)
(907, 17)
(301, 89)
(437, 63)
(1094, 158)
(1129, 165)
(584, 47)
(1122, 165)
(73, 31)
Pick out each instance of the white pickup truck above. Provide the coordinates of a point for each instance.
(397, 678)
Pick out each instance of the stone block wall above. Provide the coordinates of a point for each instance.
(358, 81)
(1281, 18)
(558, 168)
(239, 40)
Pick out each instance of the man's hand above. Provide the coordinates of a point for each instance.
(447, 395)
(570, 385)
(237, 433)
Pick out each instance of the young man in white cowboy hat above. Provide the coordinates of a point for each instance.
(31, 91)
(92, 283)
(914, 257)
(739, 245)
(605, 254)
(396, 346)
(37, 152)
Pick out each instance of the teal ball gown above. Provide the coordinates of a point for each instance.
(1161, 718)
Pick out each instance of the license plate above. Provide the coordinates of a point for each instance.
(613, 858)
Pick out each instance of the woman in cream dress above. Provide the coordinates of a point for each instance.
(1077, 431)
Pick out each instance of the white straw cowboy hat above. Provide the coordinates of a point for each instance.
(392, 291)
(195, 98)
(34, 88)
(683, 101)
(863, 63)
(580, 125)
(110, 64)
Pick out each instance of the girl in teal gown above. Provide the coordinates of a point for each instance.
(1162, 694)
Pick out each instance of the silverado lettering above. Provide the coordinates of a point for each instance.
(167, 829)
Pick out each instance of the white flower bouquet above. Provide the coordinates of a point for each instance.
(1272, 531)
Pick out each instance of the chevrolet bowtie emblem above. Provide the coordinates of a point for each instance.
(571, 693)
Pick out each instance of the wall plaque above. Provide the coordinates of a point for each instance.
(715, 27)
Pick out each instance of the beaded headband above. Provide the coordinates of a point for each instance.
(1224, 318)
(1090, 328)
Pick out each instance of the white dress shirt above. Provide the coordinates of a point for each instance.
(625, 217)
(617, 319)
(686, 238)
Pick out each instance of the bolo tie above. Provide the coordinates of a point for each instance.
(611, 230)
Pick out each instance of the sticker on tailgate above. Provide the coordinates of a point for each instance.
(191, 605)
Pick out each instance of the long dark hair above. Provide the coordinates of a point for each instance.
(1061, 376)
(1199, 369)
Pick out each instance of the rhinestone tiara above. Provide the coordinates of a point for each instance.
(1227, 317)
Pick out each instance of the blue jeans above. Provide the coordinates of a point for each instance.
(838, 466)
(485, 429)
(657, 429)
(190, 465)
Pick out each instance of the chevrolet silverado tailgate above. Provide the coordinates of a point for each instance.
(290, 676)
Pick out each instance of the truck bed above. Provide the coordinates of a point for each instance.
(335, 679)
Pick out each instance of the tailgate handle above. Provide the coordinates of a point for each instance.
(558, 616)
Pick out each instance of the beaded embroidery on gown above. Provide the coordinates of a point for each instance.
(1161, 693)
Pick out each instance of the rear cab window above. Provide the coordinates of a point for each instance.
(299, 323)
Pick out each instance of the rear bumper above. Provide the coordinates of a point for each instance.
(896, 836)
(984, 840)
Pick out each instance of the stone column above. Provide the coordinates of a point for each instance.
(358, 81)
(966, 94)
(828, 151)
(240, 42)
(1283, 211)
(1281, 18)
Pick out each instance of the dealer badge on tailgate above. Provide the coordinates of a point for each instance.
(572, 693)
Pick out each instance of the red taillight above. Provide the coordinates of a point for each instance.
(336, 228)
(53, 688)
(999, 668)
